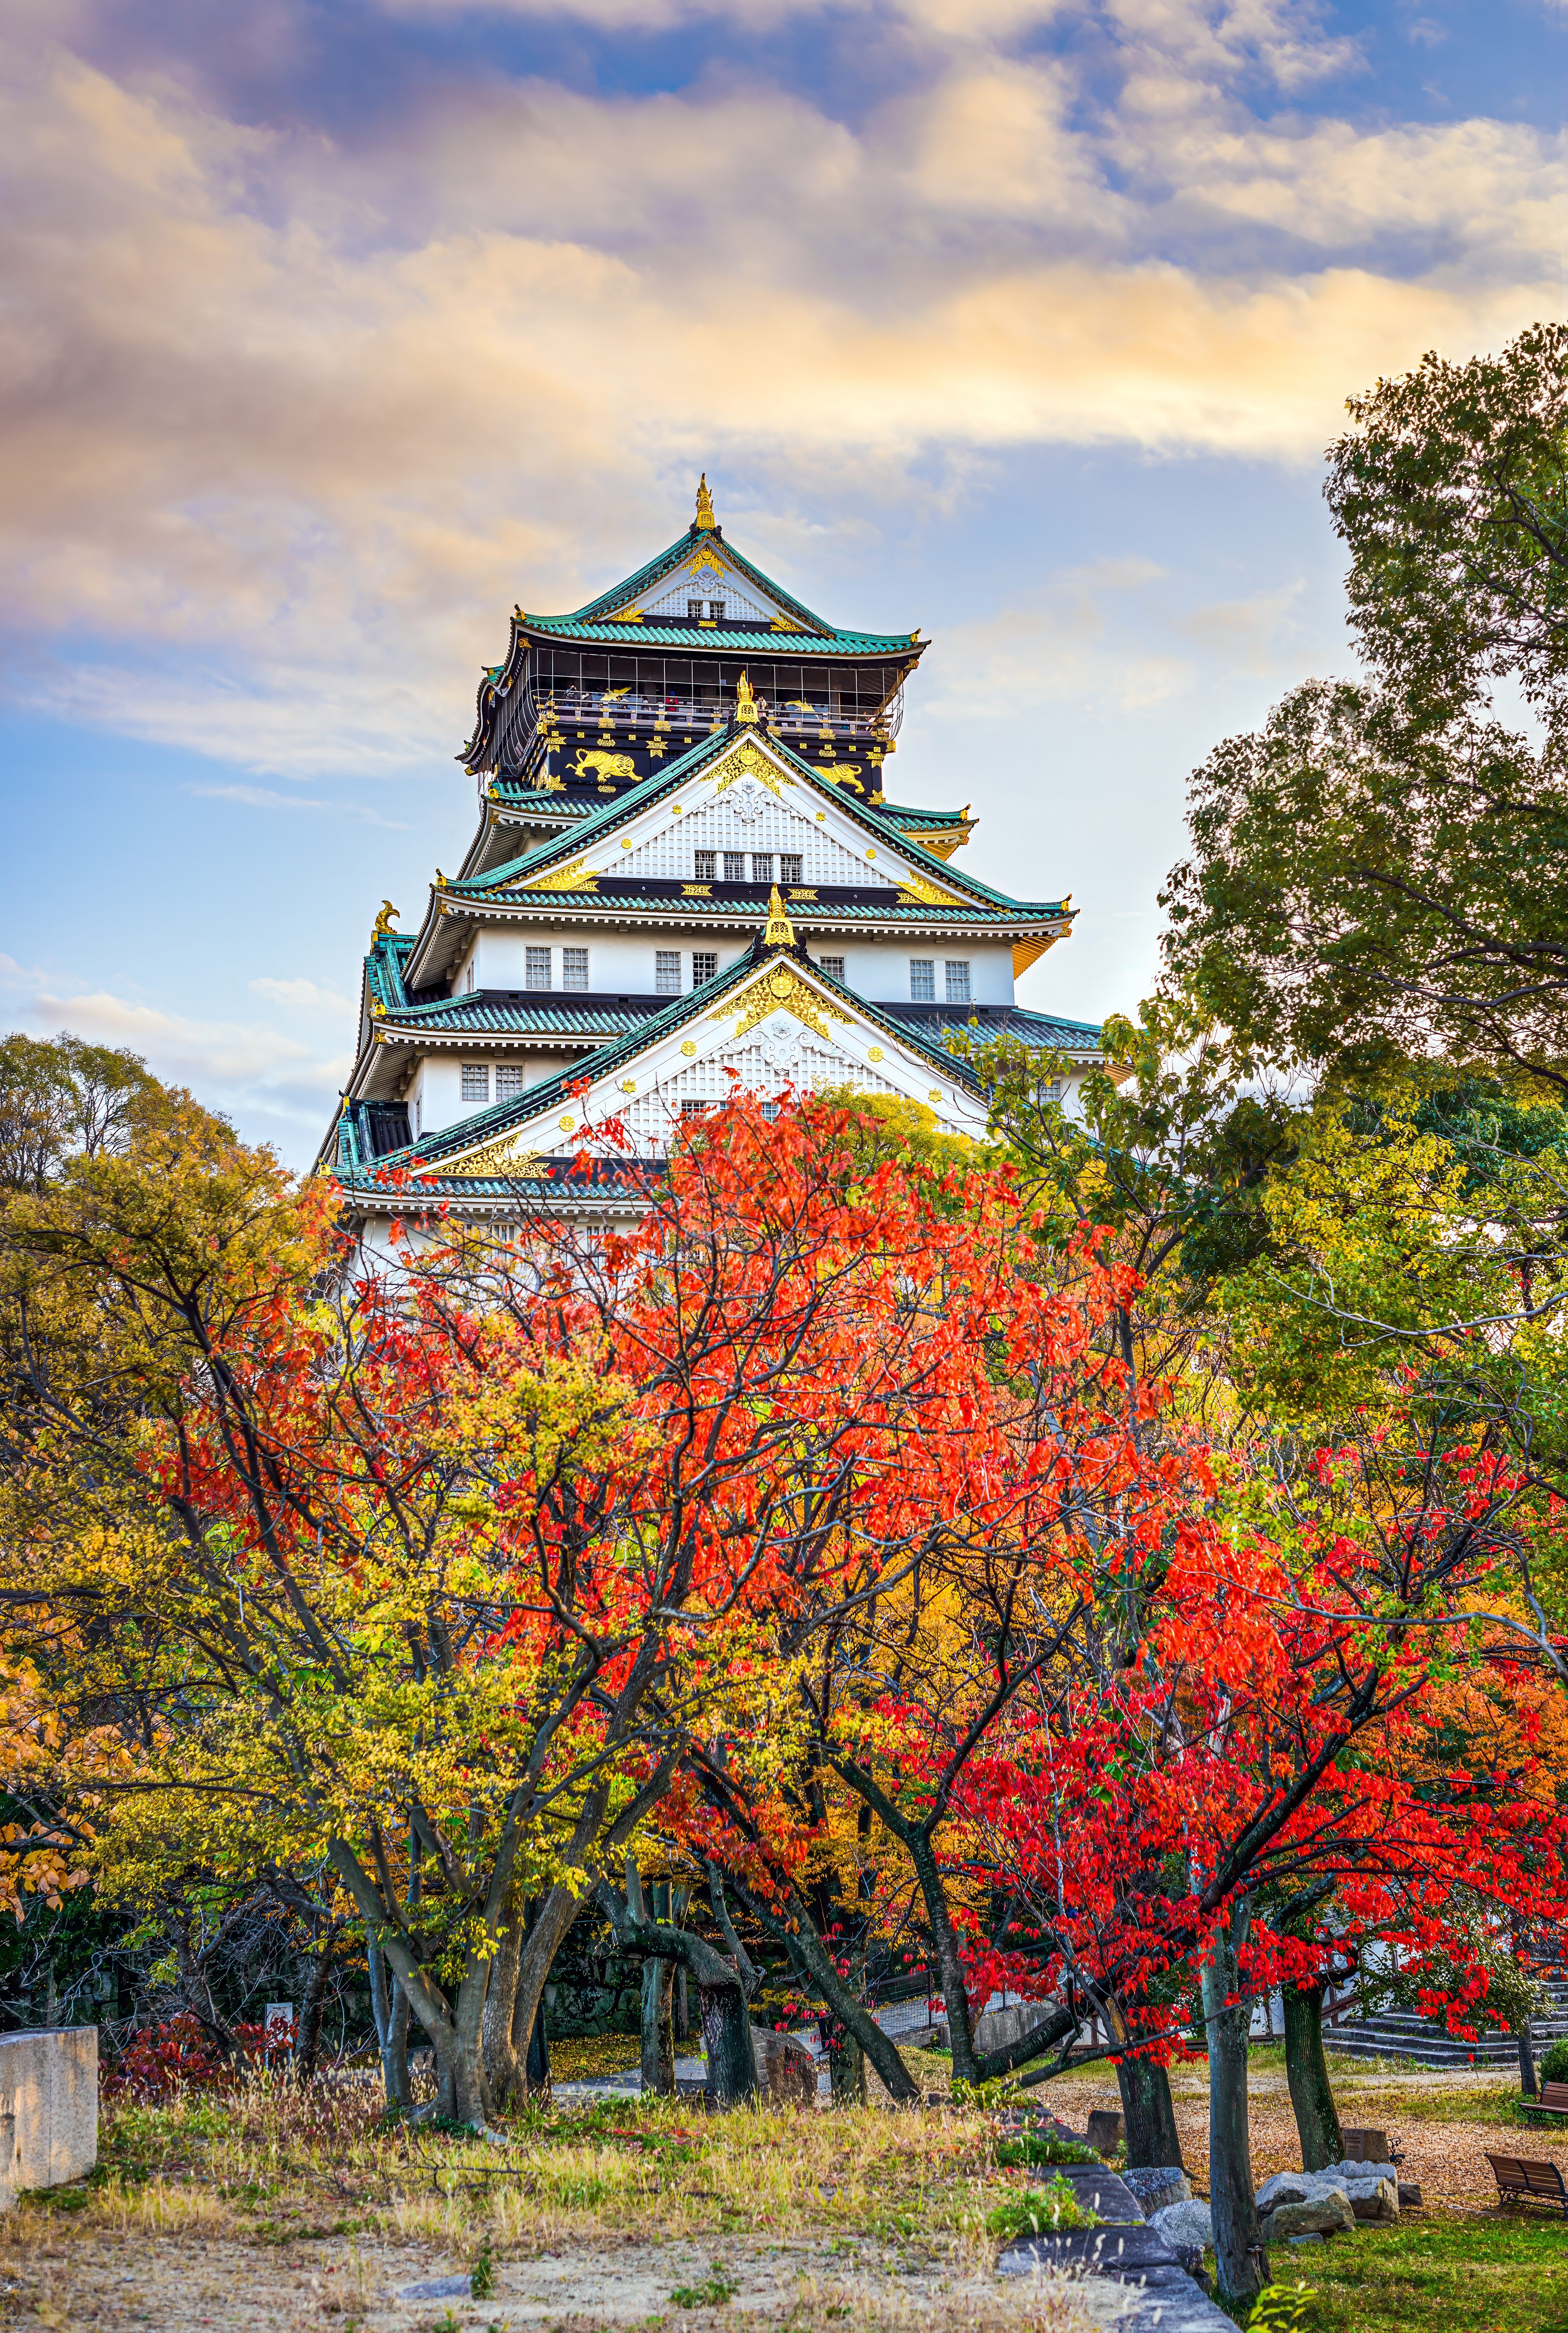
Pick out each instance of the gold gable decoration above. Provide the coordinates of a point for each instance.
(781, 989)
(382, 927)
(747, 760)
(778, 932)
(705, 518)
(500, 1156)
(916, 891)
(572, 877)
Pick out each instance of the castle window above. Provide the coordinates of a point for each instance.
(761, 866)
(536, 967)
(735, 867)
(694, 611)
(703, 968)
(575, 967)
(692, 1108)
(716, 609)
(509, 1081)
(957, 982)
(833, 965)
(922, 980)
(667, 972)
(789, 867)
(475, 1081)
(706, 864)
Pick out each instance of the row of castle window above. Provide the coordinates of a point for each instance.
(669, 971)
(707, 865)
(923, 980)
(510, 1082)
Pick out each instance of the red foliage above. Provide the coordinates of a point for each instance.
(183, 2054)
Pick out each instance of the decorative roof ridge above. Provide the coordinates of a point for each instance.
(602, 820)
(664, 562)
(485, 1124)
(651, 790)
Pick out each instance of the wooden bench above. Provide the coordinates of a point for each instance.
(1540, 2183)
(1553, 2099)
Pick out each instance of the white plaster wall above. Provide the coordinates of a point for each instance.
(878, 970)
(622, 964)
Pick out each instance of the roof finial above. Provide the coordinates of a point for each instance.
(384, 921)
(780, 932)
(745, 700)
(706, 520)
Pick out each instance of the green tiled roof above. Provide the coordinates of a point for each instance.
(732, 641)
(613, 813)
(543, 1017)
(501, 1117)
(595, 625)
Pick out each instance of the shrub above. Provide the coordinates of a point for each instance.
(1554, 2062)
(1041, 2212)
(1037, 2146)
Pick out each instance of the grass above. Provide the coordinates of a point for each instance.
(1496, 2273)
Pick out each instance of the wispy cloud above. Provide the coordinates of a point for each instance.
(265, 798)
(390, 384)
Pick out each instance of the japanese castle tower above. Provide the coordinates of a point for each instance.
(685, 864)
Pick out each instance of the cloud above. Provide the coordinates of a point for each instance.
(280, 1084)
(265, 798)
(304, 996)
(1106, 634)
(291, 421)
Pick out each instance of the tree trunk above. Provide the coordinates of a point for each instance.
(1149, 2113)
(1306, 2069)
(657, 2030)
(682, 2012)
(308, 2041)
(1527, 2085)
(389, 2008)
(1242, 2264)
(847, 2068)
(537, 2063)
(502, 2065)
(726, 2038)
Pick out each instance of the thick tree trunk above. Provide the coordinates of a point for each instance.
(537, 2063)
(949, 1967)
(502, 2066)
(727, 2039)
(1306, 2069)
(1149, 2113)
(1242, 2264)
(657, 2030)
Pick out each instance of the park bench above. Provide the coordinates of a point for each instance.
(1541, 2183)
(1553, 2099)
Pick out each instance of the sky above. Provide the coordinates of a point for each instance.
(331, 329)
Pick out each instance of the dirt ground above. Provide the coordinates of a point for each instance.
(1447, 2157)
(71, 2276)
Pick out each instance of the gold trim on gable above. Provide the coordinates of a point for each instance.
(919, 891)
(747, 760)
(781, 988)
(572, 877)
(499, 1157)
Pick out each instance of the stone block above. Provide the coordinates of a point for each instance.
(787, 2072)
(1186, 2226)
(1379, 2203)
(1326, 2213)
(1365, 2146)
(1408, 2192)
(48, 2108)
(1104, 2130)
(1159, 2185)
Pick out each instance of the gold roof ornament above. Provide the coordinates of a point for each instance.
(779, 932)
(705, 518)
(744, 701)
(383, 925)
